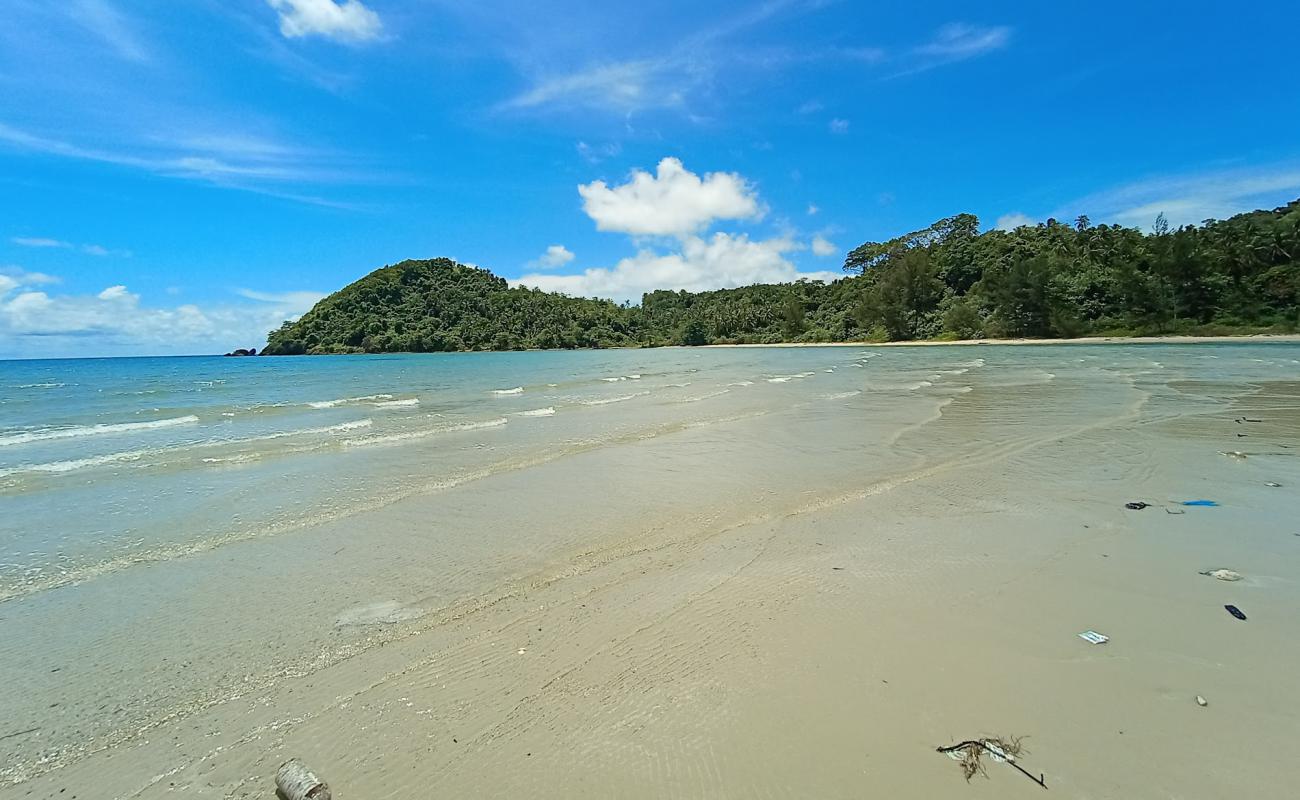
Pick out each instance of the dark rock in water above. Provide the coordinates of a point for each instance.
(252, 351)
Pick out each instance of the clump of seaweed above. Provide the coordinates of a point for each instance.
(970, 754)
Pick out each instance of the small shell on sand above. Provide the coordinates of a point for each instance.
(1223, 574)
(1201, 701)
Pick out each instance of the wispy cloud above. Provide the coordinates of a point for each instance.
(839, 126)
(226, 161)
(102, 18)
(299, 302)
(36, 241)
(88, 249)
(667, 79)
(954, 42)
(594, 154)
(622, 86)
(1190, 198)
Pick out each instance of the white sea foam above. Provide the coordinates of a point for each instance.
(788, 378)
(842, 395)
(136, 455)
(538, 412)
(408, 403)
(41, 385)
(505, 392)
(369, 398)
(78, 431)
(607, 400)
(406, 436)
(741, 383)
(705, 396)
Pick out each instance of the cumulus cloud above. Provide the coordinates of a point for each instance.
(37, 323)
(839, 126)
(823, 247)
(1009, 222)
(672, 202)
(721, 261)
(557, 255)
(118, 292)
(349, 21)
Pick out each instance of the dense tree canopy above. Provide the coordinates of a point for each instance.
(945, 281)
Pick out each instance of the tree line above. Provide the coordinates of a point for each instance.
(946, 281)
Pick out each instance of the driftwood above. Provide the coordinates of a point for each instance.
(296, 782)
(973, 750)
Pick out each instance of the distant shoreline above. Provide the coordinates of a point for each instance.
(1279, 338)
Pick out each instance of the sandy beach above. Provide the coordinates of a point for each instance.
(802, 596)
(1263, 337)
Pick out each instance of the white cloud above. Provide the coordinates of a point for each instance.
(34, 323)
(17, 276)
(823, 247)
(810, 107)
(673, 202)
(723, 260)
(839, 126)
(349, 21)
(38, 241)
(94, 249)
(1009, 222)
(118, 292)
(557, 255)
(812, 210)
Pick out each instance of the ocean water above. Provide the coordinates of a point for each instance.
(160, 514)
(151, 458)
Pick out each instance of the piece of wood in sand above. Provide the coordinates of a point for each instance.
(296, 782)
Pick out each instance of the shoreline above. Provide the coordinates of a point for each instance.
(1258, 338)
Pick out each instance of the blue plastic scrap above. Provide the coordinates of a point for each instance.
(1211, 503)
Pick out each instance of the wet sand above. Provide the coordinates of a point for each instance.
(802, 600)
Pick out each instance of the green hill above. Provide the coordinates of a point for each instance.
(947, 281)
(439, 305)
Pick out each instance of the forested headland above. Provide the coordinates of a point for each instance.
(947, 281)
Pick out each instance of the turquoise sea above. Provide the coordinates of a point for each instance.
(108, 461)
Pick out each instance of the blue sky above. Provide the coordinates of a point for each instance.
(177, 177)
